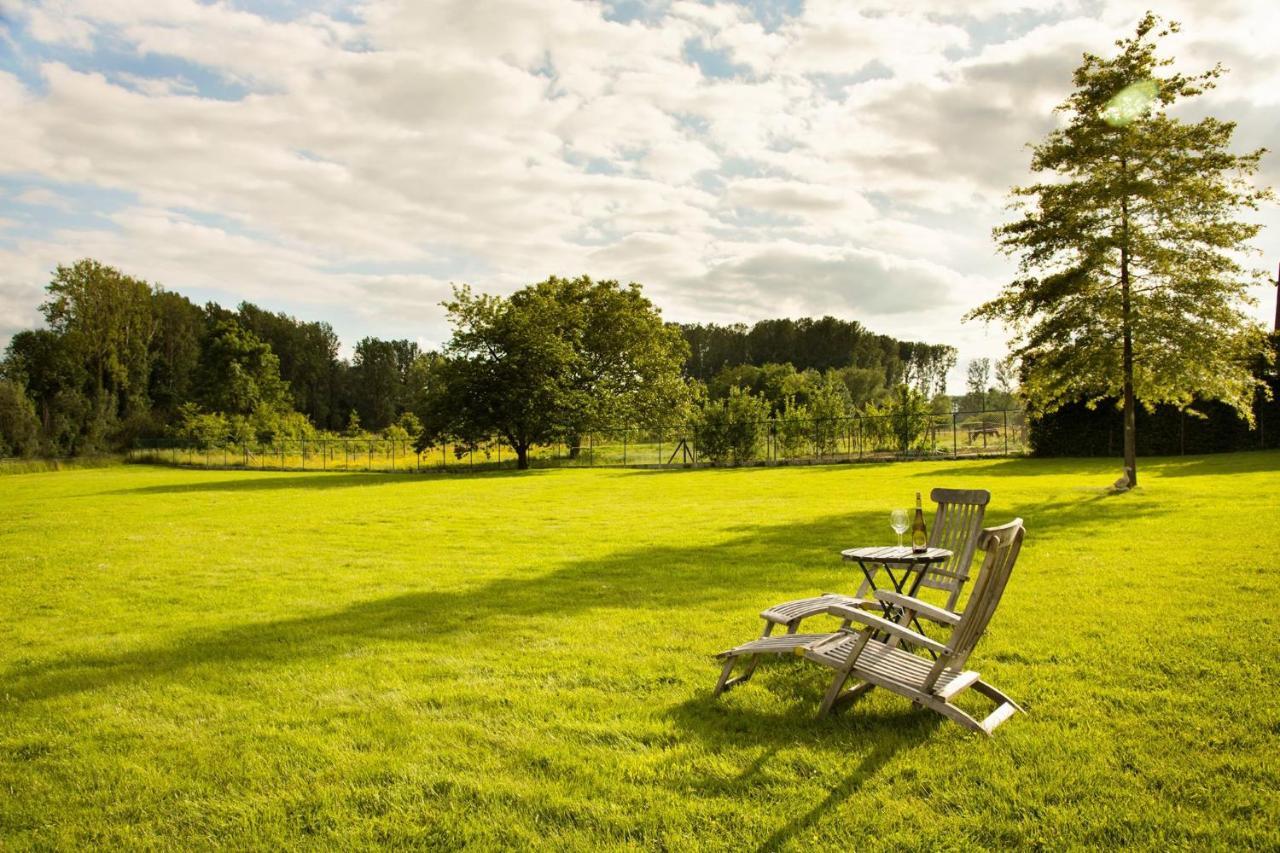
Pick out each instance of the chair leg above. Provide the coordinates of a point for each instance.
(753, 661)
(847, 697)
(996, 696)
(833, 692)
(950, 711)
(725, 682)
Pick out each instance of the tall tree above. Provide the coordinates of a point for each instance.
(308, 353)
(977, 381)
(1130, 282)
(379, 380)
(553, 360)
(54, 377)
(106, 319)
(175, 349)
(238, 373)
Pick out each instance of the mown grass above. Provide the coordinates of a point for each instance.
(244, 659)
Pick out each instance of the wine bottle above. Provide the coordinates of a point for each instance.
(919, 537)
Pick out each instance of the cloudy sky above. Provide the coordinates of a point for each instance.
(348, 161)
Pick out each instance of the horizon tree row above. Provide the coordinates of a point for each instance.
(121, 359)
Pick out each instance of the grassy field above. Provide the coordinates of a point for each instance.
(244, 659)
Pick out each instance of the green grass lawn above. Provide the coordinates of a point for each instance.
(243, 659)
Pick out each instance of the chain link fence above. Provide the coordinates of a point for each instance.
(775, 441)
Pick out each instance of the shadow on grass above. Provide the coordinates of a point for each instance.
(1242, 462)
(663, 578)
(741, 573)
(865, 739)
(268, 480)
(882, 749)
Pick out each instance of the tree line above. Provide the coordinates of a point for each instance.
(818, 345)
(122, 359)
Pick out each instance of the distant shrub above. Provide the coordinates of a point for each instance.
(732, 429)
(19, 426)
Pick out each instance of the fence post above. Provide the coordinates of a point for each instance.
(661, 431)
(591, 450)
(955, 438)
(624, 447)
(1006, 431)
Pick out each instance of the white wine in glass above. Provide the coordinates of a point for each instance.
(899, 521)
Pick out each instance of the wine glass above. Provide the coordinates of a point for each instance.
(898, 521)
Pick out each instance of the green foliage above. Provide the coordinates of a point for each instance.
(271, 424)
(308, 353)
(733, 429)
(781, 383)
(41, 361)
(380, 375)
(1131, 284)
(106, 321)
(354, 427)
(407, 428)
(829, 406)
(238, 373)
(925, 367)
(864, 384)
(812, 344)
(204, 429)
(19, 426)
(552, 361)
(793, 428)
(175, 349)
(902, 422)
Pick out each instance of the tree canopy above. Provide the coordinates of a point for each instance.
(553, 360)
(1131, 285)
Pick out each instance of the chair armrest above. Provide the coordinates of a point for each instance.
(863, 603)
(918, 607)
(879, 623)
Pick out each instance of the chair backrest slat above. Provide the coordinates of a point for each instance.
(1001, 545)
(955, 527)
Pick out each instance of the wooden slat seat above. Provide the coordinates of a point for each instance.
(890, 664)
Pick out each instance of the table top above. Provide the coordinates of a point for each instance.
(896, 555)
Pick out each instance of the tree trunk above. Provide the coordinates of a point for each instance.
(1130, 424)
(522, 457)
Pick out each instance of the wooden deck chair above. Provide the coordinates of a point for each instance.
(955, 527)
(931, 683)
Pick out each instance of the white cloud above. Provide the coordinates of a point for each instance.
(856, 167)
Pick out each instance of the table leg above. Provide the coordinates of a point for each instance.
(915, 621)
(887, 610)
